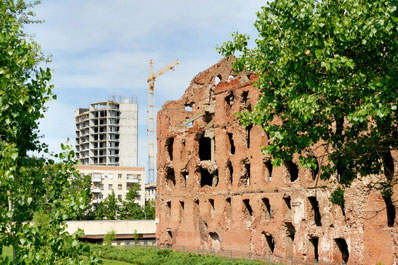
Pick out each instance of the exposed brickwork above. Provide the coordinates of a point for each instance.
(217, 191)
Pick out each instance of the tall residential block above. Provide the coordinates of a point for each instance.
(107, 133)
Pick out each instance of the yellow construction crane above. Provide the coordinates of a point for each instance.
(151, 115)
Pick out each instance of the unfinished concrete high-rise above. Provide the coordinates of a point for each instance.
(107, 133)
(217, 191)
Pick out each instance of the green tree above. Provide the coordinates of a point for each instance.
(28, 184)
(130, 209)
(328, 76)
(109, 208)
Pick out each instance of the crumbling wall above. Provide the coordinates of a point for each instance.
(216, 190)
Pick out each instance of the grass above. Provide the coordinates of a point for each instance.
(154, 256)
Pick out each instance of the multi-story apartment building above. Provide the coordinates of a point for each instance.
(106, 133)
(117, 179)
(150, 192)
(107, 148)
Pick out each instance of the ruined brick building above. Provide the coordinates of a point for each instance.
(216, 190)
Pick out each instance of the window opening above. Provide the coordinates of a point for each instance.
(391, 213)
(248, 130)
(267, 207)
(168, 207)
(230, 171)
(169, 146)
(205, 148)
(245, 100)
(248, 208)
(270, 242)
(293, 170)
(170, 176)
(315, 242)
(268, 166)
(388, 163)
(245, 178)
(342, 245)
(315, 171)
(228, 207)
(215, 241)
(207, 178)
(212, 209)
(230, 99)
(185, 176)
(188, 107)
(217, 79)
(289, 207)
(315, 210)
(231, 143)
(208, 117)
(182, 211)
(290, 230)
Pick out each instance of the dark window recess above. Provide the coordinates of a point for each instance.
(270, 242)
(267, 206)
(168, 204)
(208, 117)
(230, 171)
(268, 166)
(315, 242)
(196, 207)
(205, 148)
(391, 213)
(228, 207)
(315, 171)
(293, 170)
(230, 99)
(245, 178)
(388, 163)
(248, 131)
(212, 208)
(315, 209)
(248, 208)
(182, 211)
(184, 175)
(245, 100)
(231, 143)
(288, 202)
(342, 245)
(170, 176)
(206, 178)
(290, 230)
(169, 146)
(170, 234)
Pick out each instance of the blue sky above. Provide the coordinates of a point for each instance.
(102, 48)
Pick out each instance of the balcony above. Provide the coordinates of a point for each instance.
(131, 179)
(96, 190)
(96, 178)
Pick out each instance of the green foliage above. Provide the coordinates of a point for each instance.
(337, 197)
(30, 185)
(153, 256)
(328, 76)
(109, 237)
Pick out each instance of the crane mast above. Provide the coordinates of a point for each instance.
(151, 115)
